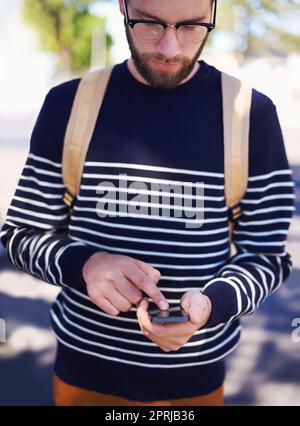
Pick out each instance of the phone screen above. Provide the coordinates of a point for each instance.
(172, 315)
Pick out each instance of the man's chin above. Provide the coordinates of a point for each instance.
(164, 77)
(165, 82)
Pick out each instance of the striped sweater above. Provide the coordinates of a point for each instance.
(144, 138)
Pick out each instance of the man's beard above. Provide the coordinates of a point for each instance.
(161, 79)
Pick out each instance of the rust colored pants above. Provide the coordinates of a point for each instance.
(65, 394)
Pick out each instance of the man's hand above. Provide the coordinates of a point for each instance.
(115, 282)
(171, 337)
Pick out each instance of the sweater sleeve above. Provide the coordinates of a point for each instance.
(261, 263)
(35, 233)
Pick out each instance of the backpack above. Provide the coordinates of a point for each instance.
(236, 99)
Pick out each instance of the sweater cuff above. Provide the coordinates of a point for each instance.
(223, 299)
(71, 263)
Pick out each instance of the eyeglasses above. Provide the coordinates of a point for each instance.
(152, 31)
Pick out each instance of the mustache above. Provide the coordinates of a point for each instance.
(167, 61)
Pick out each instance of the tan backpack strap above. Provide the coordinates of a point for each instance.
(80, 128)
(237, 98)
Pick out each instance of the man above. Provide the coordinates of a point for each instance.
(160, 124)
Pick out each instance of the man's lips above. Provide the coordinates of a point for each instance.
(164, 65)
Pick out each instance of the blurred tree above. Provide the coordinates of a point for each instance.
(65, 27)
(260, 27)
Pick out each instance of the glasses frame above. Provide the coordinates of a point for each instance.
(132, 22)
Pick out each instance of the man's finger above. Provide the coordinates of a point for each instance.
(190, 297)
(176, 330)
(129, 291)
(196, 305)
(148, 269)
(118, 300)
(107, 306)
(196, 314)
(143, 315)
(149, 286)
(134, 273)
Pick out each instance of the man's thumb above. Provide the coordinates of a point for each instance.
(190, 304)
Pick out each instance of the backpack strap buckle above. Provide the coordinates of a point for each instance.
(69, 198)
(235, 212)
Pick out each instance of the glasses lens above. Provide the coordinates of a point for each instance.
(191, 33)
(154, 32)
(148, 32)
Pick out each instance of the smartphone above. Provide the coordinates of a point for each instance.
(171, 315)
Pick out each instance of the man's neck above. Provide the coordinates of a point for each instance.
(132, 68)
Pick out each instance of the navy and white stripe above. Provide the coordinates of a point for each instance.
(40, 240)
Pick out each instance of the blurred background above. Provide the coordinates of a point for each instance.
(45, 42)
